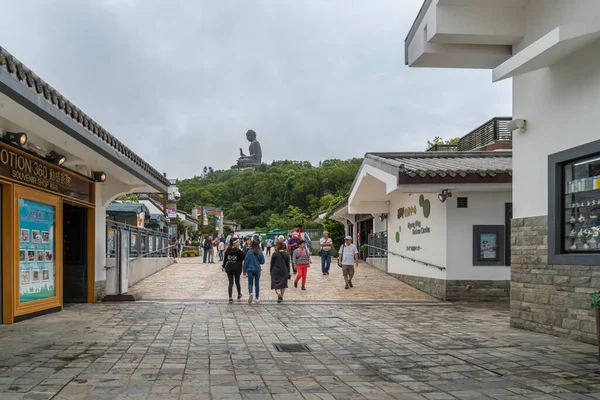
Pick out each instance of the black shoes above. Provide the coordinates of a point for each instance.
(279, 299)
(239, 296)
(347, 287)
(303, 288)
(230, 300)
(350, 283)
(295, 284)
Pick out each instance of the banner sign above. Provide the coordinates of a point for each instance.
(32, 171)
(36, 254)
(205, 217)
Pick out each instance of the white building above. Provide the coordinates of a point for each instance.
(59, 169)
(440, 218)
(551, 50)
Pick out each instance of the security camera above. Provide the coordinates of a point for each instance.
(177, 196)
(515, 124)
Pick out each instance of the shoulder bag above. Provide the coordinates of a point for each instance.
(341, 256)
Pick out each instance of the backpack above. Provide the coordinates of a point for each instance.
(207, 243)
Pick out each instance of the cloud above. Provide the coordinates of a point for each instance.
(180, 82)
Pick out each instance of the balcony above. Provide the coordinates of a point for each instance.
(493, 135)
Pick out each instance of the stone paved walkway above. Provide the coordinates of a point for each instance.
(189, 279)
(170, 350)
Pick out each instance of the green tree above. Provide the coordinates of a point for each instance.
(336, 231)
(439, 140)
(128, 198)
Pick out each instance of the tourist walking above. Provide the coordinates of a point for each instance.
(221, 250)
(233, 265)
(211, 251)
(325, 252)
(252, 267)
(292, 245)
(280, 271)
(206, 246)
(269, 242)
(348, 259)
(301, 259)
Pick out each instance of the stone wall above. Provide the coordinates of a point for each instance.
(492, 291)
(432, 286)
(100, 290)
(552, 299)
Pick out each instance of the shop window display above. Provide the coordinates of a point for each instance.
(581, 207)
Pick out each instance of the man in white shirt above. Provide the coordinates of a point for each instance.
(326, 246)
(348, 258)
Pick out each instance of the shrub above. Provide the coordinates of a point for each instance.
(190, 253)
(195, 243)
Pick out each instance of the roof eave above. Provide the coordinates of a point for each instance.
(415, 26)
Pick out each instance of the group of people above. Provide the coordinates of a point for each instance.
(291, 256)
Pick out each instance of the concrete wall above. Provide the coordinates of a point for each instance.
(484, 208)
(144, 267)
(432, 244)
(378, 262)
(560, 104)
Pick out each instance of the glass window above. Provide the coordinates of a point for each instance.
(581, 227)
(37, 266)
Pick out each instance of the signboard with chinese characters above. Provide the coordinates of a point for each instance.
(32, 171)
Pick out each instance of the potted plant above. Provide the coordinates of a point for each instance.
(595, 304)
(185, 254)
(365, 251)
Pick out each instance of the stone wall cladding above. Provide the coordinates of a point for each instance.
(552, 299)
(432, 286)
(100, 290)
(488, 291)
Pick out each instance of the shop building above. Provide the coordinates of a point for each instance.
(551, 50)
(440, 219)
(59, 170)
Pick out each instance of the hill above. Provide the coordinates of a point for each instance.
(281, 195)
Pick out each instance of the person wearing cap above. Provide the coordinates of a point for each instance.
(292, 245)
(348, 259)
(325, 253)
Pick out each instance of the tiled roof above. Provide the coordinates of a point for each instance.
(46, 92)
(443, 164)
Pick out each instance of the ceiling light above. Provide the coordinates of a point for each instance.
(16, 138)
(99, 176)
(444, 195)
(56, 158)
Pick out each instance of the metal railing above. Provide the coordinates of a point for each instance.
(378, 244)
(495, 130)
(142, 242)
(410, 259)
(443, 147)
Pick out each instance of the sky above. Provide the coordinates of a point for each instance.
(181, 81)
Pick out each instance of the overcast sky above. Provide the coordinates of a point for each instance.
(181, 81)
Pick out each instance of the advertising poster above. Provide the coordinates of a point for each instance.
(217, 223)
(140, 219)
(110, 241)
(36, 254)
(151, 244)
(205, 217)
(134, 248)
(488, 246)
(143, 243)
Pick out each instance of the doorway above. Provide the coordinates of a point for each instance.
(75, 257)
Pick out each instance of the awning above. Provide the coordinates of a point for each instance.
(276, 232)
(157, 218)
(124, 209)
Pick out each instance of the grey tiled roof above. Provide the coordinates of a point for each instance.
(47, 93)
(442, 164)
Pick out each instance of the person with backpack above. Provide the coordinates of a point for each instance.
(252, 266)
(207, 247)
(233, 264)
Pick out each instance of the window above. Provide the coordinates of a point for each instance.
(574, 206)
(581, 228)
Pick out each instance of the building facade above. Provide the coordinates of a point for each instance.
(551, 50)
(59, 170)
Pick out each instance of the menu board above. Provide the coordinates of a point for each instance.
(37, 278)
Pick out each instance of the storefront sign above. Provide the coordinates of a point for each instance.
(37, 279)
(405, 212)
(172, 213)
(32, 171)
(417, 228)
(413, 248)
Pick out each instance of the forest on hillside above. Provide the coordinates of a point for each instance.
(284, 194)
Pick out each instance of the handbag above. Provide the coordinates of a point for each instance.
(342, 256)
